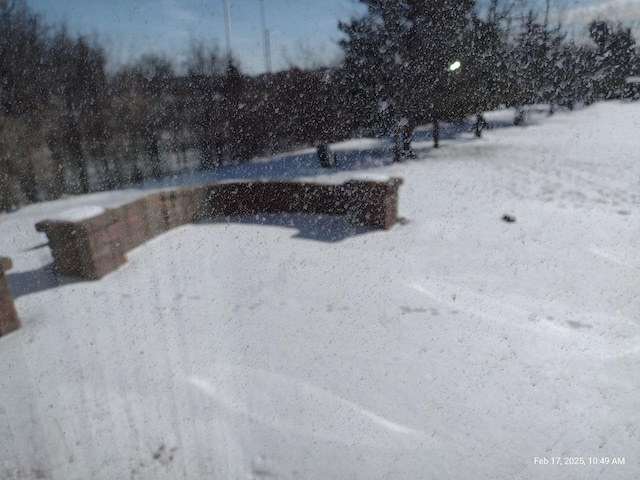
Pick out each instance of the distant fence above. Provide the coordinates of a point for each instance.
(93, 247)
(8, 316)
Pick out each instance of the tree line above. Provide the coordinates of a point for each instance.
(67, 125)
(401, 58)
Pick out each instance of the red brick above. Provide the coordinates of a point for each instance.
(8, 316)
(94, 247)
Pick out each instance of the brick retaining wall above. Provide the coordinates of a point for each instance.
(93, 247)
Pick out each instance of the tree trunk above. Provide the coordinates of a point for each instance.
(150, 145)
(219, 151)
(519, 118)
(29, 184)
(6, 187)
(120, 177)
(480, 124)
(74, 144)
(407, 134)
(397, 153)
(208, 158)
(59, 184)
(107, 181)
(436, 133)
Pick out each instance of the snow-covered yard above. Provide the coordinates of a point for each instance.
(454, 345)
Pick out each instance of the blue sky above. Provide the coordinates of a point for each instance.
(129, 28)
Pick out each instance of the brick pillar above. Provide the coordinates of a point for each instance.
(71, 248)
(373, 204)
(8, 315)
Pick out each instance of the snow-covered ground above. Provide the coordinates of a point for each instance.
(455, 345)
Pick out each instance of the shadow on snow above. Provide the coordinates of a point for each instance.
(321, 228)
(378, 152)
(38, 280)
(352, 155)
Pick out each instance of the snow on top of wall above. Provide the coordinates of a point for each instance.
(77, 214)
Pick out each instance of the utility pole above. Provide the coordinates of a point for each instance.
(227, 25)
(265, 41)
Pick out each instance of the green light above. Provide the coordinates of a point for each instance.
(454, 66)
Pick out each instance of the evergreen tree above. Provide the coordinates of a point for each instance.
(615, 59)
(536, 62)
(570, 76)
(396, 60)
(483, 76)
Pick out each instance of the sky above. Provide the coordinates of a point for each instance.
(627, 11)
(302, 32)
(129, 28)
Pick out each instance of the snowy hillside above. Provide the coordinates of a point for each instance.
(454, 345)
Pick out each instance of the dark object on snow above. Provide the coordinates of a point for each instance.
(436, 134)
(402, 141)
(326, 158)
(481, 124)
(508, 218)
(8, 316)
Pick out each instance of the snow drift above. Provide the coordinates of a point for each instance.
(454, 345)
